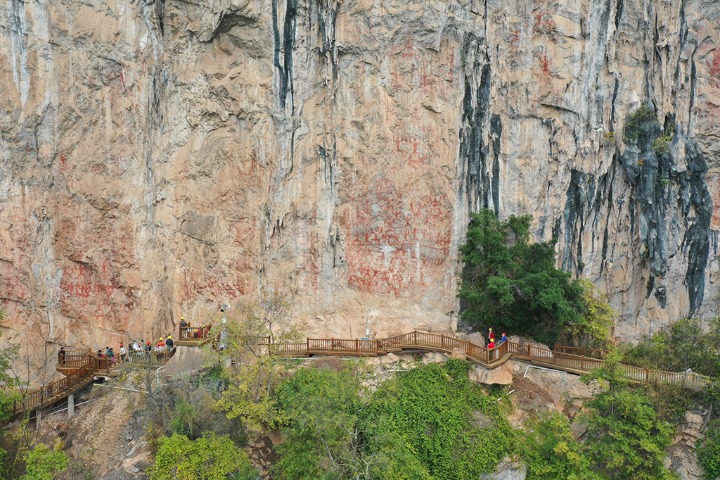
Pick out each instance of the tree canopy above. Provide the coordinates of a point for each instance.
(511, 284)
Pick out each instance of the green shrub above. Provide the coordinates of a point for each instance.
(625, 437)
(210, 457)
(42, 462)
(453, 428)
(708, 450)
(635, 121)
(550, 451)
(661, 145)
(321, 407)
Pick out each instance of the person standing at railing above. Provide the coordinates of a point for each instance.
(61, 357)
(169, 343)
(503, 338)
(123, 353)
(491, 348)
(491, 335)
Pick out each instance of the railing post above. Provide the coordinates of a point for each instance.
(582, 363)
(357, 348)
(415, 337)
(647, 376)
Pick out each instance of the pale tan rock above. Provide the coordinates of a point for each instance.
(162, 158)
(458, 353)
(501, 375)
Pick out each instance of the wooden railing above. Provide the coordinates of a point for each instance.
(196, 334)
(73, 358)
(563, 358)
(580, 351)
(88, 365)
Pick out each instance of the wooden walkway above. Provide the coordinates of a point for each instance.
(567, 359)
(81, 367)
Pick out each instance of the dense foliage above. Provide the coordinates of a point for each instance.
(551, 452)
(626, 439)
(680, 346)
(708, 450)
(210, 457)
(513, 285)
(431, 422)
(455, 430)
(43, 462)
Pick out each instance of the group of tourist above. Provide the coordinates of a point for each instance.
(139, 349)
(491, 339)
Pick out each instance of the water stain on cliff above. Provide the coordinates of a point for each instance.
(671, 198)
(479, 182)
(283, 50)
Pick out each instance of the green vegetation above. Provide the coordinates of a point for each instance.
(626, 439)
(708, 450)
(430, 422)
(661, 145)
(551, 452)
(43, 462)
(322, 407)
(209, 457)
(455, 430)
(678, 347)
(636, 120)
(513, 285)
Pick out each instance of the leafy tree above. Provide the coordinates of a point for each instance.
(594, 330)
(510, 283)
(679, 346)
(435, 414)
(321, 406)
(210, 457)
(551, 452)
(625, 437)
(708, 450)
(252, 375)
(42, 462)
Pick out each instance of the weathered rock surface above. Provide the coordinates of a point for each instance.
(161, 157)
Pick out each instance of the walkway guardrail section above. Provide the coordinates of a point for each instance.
(565, 358)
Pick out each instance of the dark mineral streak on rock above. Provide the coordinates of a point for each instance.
(475, 184)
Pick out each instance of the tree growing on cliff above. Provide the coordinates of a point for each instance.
(252, 375)
(513, 285)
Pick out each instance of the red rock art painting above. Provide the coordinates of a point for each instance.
(396, 241)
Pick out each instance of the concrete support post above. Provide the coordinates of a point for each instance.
(37, 420)
(71, 405)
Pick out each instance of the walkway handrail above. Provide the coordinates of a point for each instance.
(570, 359)
(190, 333)
(87, 367)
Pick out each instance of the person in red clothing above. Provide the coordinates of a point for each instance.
(491, 335)
(491, 347)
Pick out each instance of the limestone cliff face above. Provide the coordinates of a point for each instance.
(160, 156)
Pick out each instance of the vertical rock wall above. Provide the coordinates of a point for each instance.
(160, 157)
